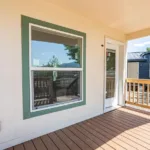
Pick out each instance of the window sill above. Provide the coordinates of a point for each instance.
(51, 106)
(51, 109)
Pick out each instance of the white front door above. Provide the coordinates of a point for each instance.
(111, 76)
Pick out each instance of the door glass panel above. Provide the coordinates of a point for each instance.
(110, 73)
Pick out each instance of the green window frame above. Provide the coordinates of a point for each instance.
(27, 113)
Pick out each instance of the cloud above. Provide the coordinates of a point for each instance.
(142, 44)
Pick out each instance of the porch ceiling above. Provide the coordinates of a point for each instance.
(125, 15)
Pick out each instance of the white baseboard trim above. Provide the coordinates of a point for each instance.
(111, 108)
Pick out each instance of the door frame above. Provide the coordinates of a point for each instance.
(117, 44)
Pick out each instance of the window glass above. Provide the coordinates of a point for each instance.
(55, 87)
(110, 72)
(60, 54)
(53, 49)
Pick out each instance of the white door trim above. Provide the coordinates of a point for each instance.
(116, 45)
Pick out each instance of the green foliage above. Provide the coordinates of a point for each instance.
(53, 62)
(148, 49)
(111, 61)
(73, 52)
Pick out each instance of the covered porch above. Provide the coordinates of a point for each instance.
(64, 79)
(123, 128)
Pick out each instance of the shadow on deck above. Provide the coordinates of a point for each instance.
(124, 128)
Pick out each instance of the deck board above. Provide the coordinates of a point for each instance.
(29, 145)
(39, 144)
(11, 148)
(60, 144)
(67, 140)
(121, 136)
(112, 139)
(19, 147)
(98, 141)
(107, 129)
(76, 140)
(84, 138)
(49, 143)
(115, 132)
(101, 136)
(124, 128)
(129, 124)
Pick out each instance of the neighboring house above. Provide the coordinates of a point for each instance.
(138, 65)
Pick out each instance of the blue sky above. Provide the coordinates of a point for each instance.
(138, 45)
(43, 51)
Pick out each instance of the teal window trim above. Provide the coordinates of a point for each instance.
(25, 21)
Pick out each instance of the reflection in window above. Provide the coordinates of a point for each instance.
(54, 87)
(56, 68)
(51, 49)
(110, 74)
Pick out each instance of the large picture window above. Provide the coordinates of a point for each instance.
(56, 67)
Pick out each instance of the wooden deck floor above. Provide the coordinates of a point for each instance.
(120, 129)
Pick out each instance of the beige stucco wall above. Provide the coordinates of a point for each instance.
(13, 128)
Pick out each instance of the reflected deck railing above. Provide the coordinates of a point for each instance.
(138, 92)
(110, 87)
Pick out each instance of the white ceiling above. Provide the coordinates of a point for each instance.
(125, 15)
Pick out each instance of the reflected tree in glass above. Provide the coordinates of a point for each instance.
(73, 53)
(53, 62)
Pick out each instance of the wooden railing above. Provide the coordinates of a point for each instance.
(138, 92)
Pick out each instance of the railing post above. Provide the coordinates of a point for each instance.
(147, 94)
(126, 90)
(137, 93)
(143, 94)
(133, 91)
(129, 90)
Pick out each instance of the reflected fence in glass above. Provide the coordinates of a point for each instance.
(110, 73)
(55, 87)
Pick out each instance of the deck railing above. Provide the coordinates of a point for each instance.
(138, 92)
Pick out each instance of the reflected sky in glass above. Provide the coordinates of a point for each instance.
(45, 52)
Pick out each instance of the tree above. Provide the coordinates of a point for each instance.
(53, 62)
(110, 61)
(73, 52)
(148, 49)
